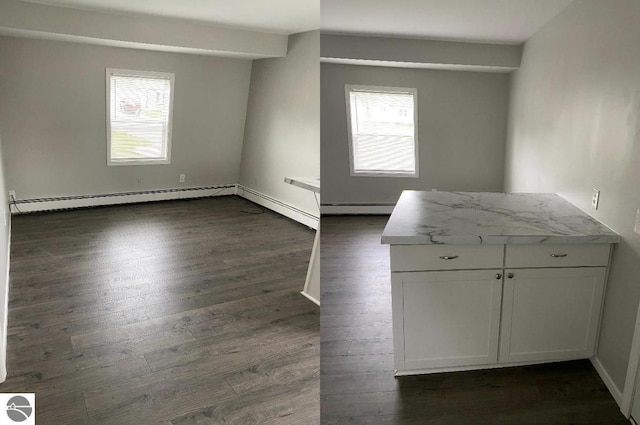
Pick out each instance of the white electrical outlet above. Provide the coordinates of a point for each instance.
(595, 199)
(636, 228)
(12, 195)
(181, 178)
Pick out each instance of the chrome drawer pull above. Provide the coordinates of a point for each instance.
(446, 257)
(558, 255)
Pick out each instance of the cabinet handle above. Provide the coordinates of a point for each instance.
(447, 257)
(498, 276)
(510, 275)
(558, 255)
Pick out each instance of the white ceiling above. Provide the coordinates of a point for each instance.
(501, 21)
(276, 16)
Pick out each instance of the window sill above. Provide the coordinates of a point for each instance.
(138, 162)
(403, 175)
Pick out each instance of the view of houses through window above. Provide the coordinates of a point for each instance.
(140, 116)
(382, 130)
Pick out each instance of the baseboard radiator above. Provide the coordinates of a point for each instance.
(22, 206)
(25, 206)
(278, 206)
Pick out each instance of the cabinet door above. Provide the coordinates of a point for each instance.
(550, 314)
(448, 318)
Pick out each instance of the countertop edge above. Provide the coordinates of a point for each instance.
(304, 183)
(498, 240)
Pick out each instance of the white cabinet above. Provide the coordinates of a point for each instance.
(550, 314)
(446, 318)
(513, 304)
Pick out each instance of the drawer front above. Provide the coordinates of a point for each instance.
(445, 257)
(567, 255)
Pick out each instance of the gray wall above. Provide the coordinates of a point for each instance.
(282, 132)
(165, 33)
(5, 237)
(461, 130)
(53, 118)
(575, 125)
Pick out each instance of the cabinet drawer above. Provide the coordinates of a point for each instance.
(567, 255)
(445, 257)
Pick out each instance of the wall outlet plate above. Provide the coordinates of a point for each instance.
(182, 178)
(12, 194)
(636, 228)
(595, 199)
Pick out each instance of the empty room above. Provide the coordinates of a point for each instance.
(160, 165)
(480, 256)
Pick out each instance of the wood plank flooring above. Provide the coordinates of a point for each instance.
(172, 313)
(357, 383)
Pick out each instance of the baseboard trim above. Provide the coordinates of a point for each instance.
(22, 206)
(278, 206)
(357, 209)
(5, 308)
(71, 202)
(311, 298)
(632, 369)
(604, 375)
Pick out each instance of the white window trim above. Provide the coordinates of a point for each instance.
(381, 89)
(138, 73)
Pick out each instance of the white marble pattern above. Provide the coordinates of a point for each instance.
(491, 218)
(309, 183)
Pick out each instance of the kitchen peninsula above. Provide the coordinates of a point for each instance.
(482, 280)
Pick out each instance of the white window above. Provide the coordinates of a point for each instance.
(139, 107)
(383, 136)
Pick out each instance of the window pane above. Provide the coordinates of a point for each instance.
(384, 153)
(137, 140)
(383, 133)
(139, 114)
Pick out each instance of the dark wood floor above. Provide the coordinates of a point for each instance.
(173, 313)
(357, 383)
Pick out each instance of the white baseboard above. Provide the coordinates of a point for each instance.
(278, 206)
(67, 202)
(632, 369)
(355, 209)
(5, 308)
(70, 202)
(604, 375)
(310, 298)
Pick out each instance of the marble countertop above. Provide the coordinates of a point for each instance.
(309, 183)
(490, 218)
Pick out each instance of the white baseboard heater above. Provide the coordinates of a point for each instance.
(22, 206)
(70, 202)
(278, 206)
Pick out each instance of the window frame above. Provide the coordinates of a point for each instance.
(142, 74)
(382, 89)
